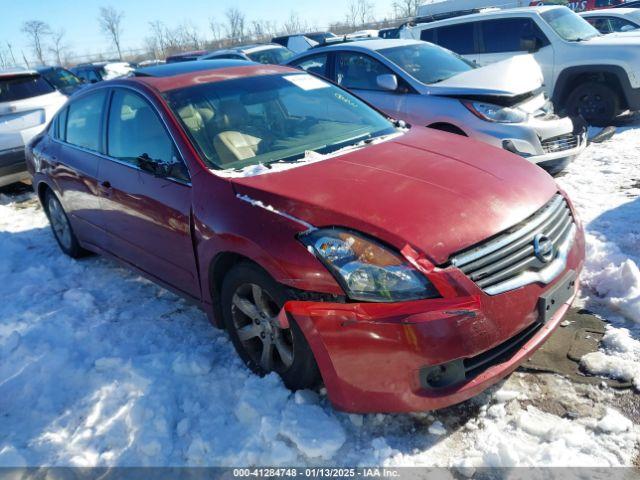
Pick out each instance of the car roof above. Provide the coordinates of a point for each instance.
(300, 34)
(17, 71)
(192, 53)
(373, 44)
(255, 47)
(219, 73)
(181, 68)
(609, 11)
(528, 11)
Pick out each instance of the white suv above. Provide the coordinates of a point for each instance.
(597, 76)
(27, 104)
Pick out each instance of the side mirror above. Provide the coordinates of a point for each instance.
(628, 28)
(530, 44)
(388, 82)
(93, 80)
(163, 169)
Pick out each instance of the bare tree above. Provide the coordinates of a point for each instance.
(110, 21)
(36, 30)
(188, 36)
(236, 24)
(406, 8)
(58, 47)
(293, 24)
(13, 58)
(216, 29)
(359, 12)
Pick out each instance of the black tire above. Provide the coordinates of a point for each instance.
(61, 227)
(598, 103)
(301, 370)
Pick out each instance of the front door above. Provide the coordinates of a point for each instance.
(505, 38)
(359, 73)
(147, 215)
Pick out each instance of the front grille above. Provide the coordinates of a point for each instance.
(523, 254)
(560, 143)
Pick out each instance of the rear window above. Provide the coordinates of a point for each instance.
(21, 87)
(457, 38)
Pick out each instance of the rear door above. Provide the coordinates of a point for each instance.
(359, 72)
(147, 215)
(74, 156)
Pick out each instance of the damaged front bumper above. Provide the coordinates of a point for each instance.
(550, 143)
(377, 357)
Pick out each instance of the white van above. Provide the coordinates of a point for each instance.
(440, 7)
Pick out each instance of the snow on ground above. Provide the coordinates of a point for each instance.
(101, 367)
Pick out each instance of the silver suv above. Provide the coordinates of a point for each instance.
(423, 84)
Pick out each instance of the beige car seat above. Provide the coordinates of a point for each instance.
(233, 143)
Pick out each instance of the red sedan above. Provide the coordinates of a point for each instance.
(407, 269)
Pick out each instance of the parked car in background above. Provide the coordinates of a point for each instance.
(322, 263)
(389, 32)
(98, 71)
(27, 104)
(614, 20)
(186, 56)
(300, 42)
(363, 34)
(62, 79)
(585, 73)
(440, 8)
(150, 63)
(427, 85)
(270, 53)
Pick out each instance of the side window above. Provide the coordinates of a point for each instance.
(457, 38)
(84, 118)
(359, 71)
(135, 133)
(621, 25)
(428, 35)
(316, 64)
(601, 24)
(506, 35)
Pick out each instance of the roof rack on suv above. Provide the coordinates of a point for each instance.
(444, 16)
(339, 39)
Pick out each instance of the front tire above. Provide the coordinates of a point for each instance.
(251, 301)
(61, 226)
(596, 102)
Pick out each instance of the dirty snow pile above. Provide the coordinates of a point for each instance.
(101, 367)
(605, 188)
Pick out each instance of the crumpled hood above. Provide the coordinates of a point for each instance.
(438, 192)
(516, 76)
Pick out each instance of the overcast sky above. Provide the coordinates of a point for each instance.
(79, 17)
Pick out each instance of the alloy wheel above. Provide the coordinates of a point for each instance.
(59, 222)
(255, 319)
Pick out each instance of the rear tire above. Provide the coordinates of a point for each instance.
(251, 301)
(598, 103)
(61, 227)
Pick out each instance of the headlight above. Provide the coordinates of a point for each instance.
(496, 113)
(367, 270)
